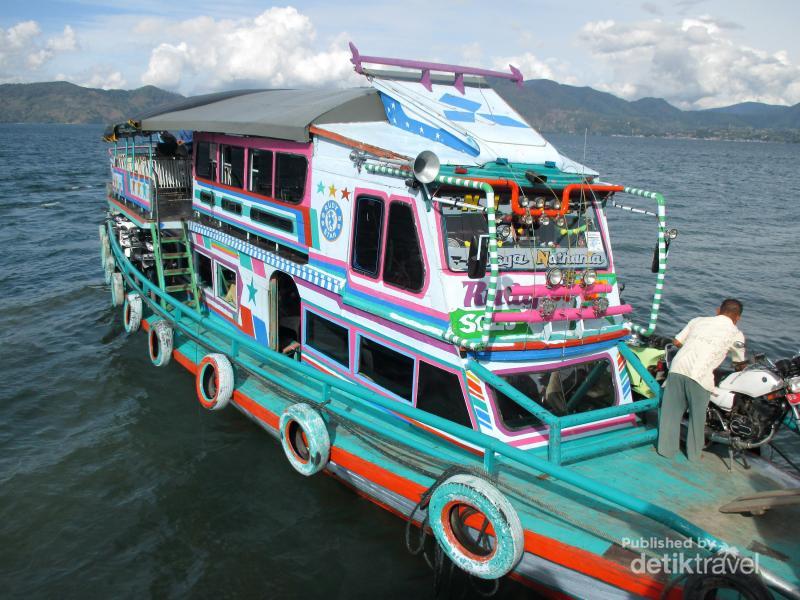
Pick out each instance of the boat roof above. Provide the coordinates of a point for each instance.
(279, 113)
(454, 111)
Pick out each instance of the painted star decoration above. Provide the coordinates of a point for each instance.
(252, 291)
(320, 188)
(332, 191)
(345, 194)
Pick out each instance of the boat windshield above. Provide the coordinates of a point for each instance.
(563, 391)
(576, 242)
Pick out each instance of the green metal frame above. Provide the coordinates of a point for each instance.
(333, 391)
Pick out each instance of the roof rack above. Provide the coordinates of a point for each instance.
(427, 67)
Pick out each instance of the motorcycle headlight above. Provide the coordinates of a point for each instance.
(554, 277)
(793, 385)
(589, 277)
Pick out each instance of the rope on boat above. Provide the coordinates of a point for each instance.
(439, 563)
(661, 214)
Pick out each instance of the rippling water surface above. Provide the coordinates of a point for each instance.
(113, 482)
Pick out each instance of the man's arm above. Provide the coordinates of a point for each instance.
(684, 333)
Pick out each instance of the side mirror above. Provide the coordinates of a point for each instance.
(478, 257)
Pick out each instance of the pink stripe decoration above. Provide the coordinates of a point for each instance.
(561, 314)
(538, 291)
(258, 267)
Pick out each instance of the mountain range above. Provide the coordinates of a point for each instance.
(547, 105)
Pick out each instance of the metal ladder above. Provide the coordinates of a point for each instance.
(174, 263)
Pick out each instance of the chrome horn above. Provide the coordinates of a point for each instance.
(426, 166)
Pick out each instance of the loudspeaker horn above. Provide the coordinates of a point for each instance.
(426, 166)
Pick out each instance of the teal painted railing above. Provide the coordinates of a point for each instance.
(557, 424)
(332, 388)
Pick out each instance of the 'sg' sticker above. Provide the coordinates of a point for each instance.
(331, 220)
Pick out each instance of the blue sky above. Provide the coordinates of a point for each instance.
(694, 53)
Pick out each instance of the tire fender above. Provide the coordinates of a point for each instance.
(159, 343)
(109, 268)
(132, 312)
(305, 440)
(458, 498)
(214, 381)
(117, 289)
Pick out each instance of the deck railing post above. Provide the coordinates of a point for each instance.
(554, 444)
(489, 461)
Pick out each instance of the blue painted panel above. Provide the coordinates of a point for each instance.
(457, 115)
(460, 102)
(260, 329)
(503, 120)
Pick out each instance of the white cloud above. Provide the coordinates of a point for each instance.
(692, 64)
(100, 76)
(23, 47)
(274, 49)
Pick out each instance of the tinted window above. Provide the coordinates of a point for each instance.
(226, 284)
(231, 206)
(233, 166)
(389, 369)
(327, 337)
(402, 265)
(204, 272)
(268, 218)
(368, 233)
(261, 172)
(206, 161)
(439, 393)
(566, 391)
(290, 177)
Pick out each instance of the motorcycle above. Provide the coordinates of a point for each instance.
(747, 406)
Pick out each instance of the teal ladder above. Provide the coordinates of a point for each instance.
(175, 265)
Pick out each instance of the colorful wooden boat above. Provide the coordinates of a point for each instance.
(415, 292)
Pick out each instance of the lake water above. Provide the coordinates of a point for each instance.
(115, 483)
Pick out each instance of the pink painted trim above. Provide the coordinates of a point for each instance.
(258, 267)
(562, 314)
(255, 143)
(317, 256)
(227, 217)
(357, 314)
(575, 431)
(575, 290)
(408, 201)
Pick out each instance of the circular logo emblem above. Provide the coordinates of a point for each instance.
(331, 220)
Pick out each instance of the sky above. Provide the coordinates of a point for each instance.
(694, 53)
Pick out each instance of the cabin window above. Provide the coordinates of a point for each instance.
(386, 367)
(565, 391)
(261, 172)
(231, 206)
(205, 272)
(402, 265)
(328, 337)
(206, 161)
(290, 177)
(226, 284)
(439, 393)
(233, 166)
(272, 220)
(368, 235)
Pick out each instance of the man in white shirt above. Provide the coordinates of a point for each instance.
(703, 344)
